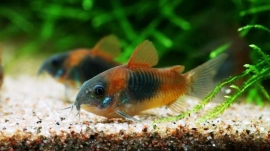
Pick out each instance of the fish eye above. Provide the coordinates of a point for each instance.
(55, 62)
(99, 90)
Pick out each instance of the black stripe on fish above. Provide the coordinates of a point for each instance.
(92, 66)
(142, 85)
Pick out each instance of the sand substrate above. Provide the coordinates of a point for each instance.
(31, 119)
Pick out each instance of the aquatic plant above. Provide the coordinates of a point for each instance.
(46, 27)
(252, 85)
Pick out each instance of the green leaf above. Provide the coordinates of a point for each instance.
(220, 50)
(248, 27)
(235, 87)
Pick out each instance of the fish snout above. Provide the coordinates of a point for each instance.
(41, 69)
(83, 97)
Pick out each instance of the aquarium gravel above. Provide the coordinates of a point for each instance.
(32, 118)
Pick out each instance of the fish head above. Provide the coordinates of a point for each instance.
(80, 64)
(55, 65)
(100, 94)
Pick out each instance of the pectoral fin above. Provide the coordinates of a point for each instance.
(126, 116)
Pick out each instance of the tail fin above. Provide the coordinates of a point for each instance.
(200, 79)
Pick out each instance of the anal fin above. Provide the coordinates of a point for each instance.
(179, 105)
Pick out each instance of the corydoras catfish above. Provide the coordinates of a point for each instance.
(75, 67)
(127, 90)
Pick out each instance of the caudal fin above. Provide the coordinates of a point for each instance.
(200, 79)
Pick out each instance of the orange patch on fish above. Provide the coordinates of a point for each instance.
(75, 57)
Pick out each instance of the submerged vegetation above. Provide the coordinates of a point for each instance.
(178, 29)
(253, 75)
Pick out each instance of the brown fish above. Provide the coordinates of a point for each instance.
(75, 67)
(127, 90)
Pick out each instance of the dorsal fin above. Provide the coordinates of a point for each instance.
(145, 55)
(108, 45)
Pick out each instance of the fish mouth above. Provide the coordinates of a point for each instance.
(78, 111)
(77, 105)
(55, 74)
(41, 70)
(44, 68)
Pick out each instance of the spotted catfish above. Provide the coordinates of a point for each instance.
(127, 90)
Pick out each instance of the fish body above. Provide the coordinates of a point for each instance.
(127, 90)
(134, 90)
(74, 67)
